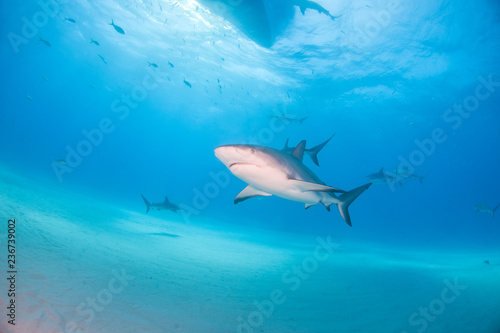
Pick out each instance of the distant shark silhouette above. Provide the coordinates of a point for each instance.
(262, 21)
(484, 208)
(165, 205)
(381, 177)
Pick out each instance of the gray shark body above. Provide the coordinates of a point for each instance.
(270, 171)
(484, 208)
(165, 205)
(312, 153)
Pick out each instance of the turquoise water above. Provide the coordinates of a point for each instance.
(95, 115)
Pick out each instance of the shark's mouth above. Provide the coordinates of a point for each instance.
(233, 164)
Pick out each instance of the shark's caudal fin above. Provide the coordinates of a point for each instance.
(494, 210)
(315, 150)
(148, 205)
(347, 198)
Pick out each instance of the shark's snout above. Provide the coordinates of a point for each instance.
(235, 154)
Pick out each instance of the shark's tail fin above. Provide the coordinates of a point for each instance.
(347, 198)
(494, 210)
(148, 205)
(315, 150)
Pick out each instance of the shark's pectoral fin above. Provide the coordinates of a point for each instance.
(307, 186)
(310, 205)
(249, 192)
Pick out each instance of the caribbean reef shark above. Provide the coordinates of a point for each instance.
(165, 205)
(270, 171)
(313, 152)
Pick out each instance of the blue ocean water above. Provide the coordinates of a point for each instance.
(94, 115)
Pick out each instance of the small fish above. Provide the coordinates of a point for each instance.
(45, 78)
(60, 161)
(92, 86)
(187, 83)
(487, 262)
(117, 28)
(94, 42)
(46, 42)
(171, 65)
(152, 64)
(69, 19)
(29, 97)
(222, 59)
(102, 58)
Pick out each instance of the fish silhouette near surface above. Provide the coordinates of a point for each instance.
(117, 28)
(46, 42)
(102, 58)
(92, 41)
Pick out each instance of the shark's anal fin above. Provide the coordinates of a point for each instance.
(249, 192)
(298, 152)
(307, 186)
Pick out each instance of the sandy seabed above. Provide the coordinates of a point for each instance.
(86, 267)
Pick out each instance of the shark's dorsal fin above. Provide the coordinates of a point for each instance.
(166, 199)
(298, 152)
(249, 192)
(381, 171)
(307, 186)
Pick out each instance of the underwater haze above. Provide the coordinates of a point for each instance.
(118, 208)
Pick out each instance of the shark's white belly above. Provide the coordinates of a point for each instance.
(276, 182)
